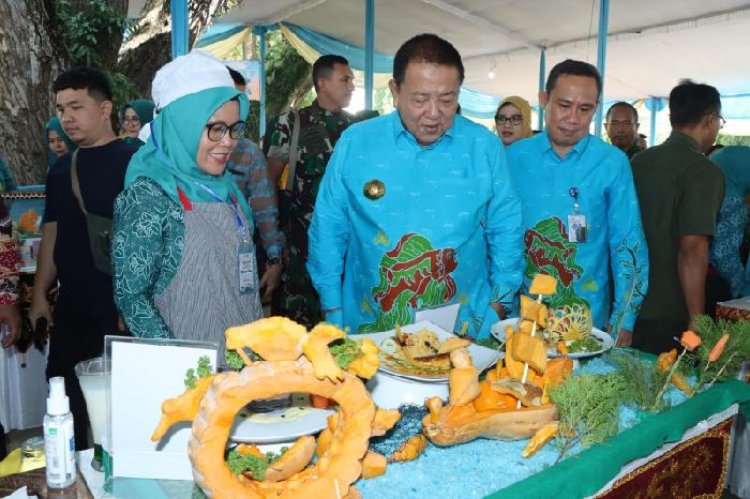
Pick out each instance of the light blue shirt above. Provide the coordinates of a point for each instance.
(447, 230)
(599, 175)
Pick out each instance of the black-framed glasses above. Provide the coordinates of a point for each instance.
(516, 119)
(133, 120)
(218, 129)
(722, 121)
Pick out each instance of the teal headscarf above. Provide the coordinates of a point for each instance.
(168, 157)
(55, 125)
(143, 108)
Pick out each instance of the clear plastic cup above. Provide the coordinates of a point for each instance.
(95, 380)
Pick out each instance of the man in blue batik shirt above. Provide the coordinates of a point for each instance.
(416, 209)
(568, 179)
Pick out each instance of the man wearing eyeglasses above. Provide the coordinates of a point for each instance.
(622, 128)
(680, 193)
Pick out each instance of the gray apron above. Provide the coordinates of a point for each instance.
(203, 299)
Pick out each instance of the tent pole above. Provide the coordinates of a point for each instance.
(542, 76)
(179, 35)
(652, 125)
(601, 57)
(261, 30)
(369, 51)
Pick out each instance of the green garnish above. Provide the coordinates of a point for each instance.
(239, 463)
(204, 370)
(256, 466)
(345, 351)
(589, 408)
(585, 345)
(234, 361)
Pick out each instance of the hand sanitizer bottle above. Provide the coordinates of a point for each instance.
(59, 444)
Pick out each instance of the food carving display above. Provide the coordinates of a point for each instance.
(420, 353)
(293, 361)
(512, 402)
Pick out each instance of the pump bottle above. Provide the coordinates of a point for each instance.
(59, 443)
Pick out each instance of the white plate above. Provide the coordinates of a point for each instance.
(281, 425)
(482, 357)
(498, 331)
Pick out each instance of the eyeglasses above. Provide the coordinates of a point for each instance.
(133, 120)
(722, 121)
(516, 119)
(218, 129)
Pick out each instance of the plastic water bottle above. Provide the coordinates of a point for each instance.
(59, 444)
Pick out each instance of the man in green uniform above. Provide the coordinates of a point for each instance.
(622, 128)
(680, 192)
(301, 167)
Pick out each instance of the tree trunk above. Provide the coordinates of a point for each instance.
(149, 48)
(29, 63)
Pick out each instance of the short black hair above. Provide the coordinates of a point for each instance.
(430, 48)
(239, 80)
(689, 102)
(575, 68)
(622, 104)
(94, 81)
(323, 67)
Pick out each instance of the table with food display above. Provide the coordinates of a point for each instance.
(547, 406)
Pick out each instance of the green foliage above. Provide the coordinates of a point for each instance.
(239, 463)
(345, 351)
(257, 466)
(641, 380)
(84, 27)
(234, 361)
(204, 370)
(89, 31)
(589, 408)
(733, 140)
(735, 352)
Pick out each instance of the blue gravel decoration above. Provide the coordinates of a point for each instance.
(408, 426)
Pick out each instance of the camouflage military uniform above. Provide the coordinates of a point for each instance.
(296, 297)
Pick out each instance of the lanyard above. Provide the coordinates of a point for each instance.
(233, 204)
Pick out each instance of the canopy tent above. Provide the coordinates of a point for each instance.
(650, 45)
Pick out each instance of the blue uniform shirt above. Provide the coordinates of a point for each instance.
(598, 176)
(447, 229)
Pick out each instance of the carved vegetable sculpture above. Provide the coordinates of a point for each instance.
(301, 362)
(512, 402)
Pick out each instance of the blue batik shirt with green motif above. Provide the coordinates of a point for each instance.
(446, 230)
(597, 176)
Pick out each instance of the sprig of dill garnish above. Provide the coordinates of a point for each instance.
(589, 409)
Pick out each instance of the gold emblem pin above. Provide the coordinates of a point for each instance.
(374, 189)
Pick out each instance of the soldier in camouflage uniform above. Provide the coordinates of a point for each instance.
(321, 126)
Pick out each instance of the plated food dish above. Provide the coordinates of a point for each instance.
(588, 345)
(421, 351)
(280, 425)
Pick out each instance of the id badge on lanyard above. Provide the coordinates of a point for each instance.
(246, 268)
(577, 227)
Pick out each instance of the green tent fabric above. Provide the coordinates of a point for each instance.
(602, 462)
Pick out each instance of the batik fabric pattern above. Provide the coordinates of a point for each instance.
(598, 176)
(446, 230)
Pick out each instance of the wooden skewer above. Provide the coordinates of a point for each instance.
(526, 364)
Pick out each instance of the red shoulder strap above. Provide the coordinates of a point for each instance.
(187, 205)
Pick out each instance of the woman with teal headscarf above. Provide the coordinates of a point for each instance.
(182, 246)
(57, 140)
(135, 115)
